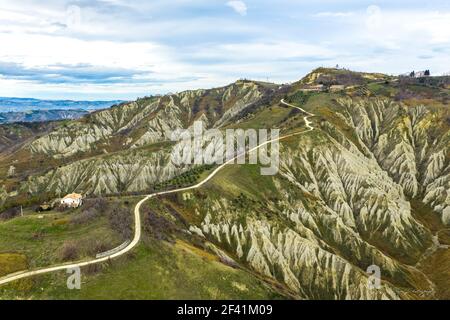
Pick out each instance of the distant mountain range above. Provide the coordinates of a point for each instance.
(41, 115)
(35, 110)
(27, 104)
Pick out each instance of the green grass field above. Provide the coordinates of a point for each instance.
(39, 237)
(267, 118)
(155, 270)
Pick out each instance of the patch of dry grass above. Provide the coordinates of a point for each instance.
(437, 269)
(12, 262)
(197, 251)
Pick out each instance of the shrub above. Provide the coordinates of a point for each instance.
(92, 269)
(61, 208)
(91, 210)
(9, 213)
(158, 226)
(69, 251)
(95, 246)
(99, 204)
(120, 220)
(85, 216)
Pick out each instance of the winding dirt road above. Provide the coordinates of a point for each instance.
(137, 216)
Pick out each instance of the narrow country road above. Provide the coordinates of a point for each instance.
(137, 216)
(307, 122)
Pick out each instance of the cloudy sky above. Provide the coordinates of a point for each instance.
(117, 49)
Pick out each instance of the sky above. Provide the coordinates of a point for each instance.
(117, 49)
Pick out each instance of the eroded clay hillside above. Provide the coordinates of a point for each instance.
(112, 150)
(368, 186)
(347, 197)
(410, 143)
(146, 120)
(335, 208)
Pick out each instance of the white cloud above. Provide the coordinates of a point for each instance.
(172, 49)
(399, 29)
(45, 51)
(238, 6)
(327, 14)
(263, 51)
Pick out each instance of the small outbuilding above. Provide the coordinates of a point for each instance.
(44, 207)
(73, 200)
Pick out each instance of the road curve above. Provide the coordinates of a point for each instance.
(309, 114)
(137, 216)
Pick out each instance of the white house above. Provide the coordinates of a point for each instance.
(73, 200)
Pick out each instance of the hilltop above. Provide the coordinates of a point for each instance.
(334, 76)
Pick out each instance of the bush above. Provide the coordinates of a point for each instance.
(61, 208)
(92, 269)
(158, 226)
(91, 210)
(69, 251)
(9, 213)
(95, 246)
(99, 204)
(120, 220)
(85, 216)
